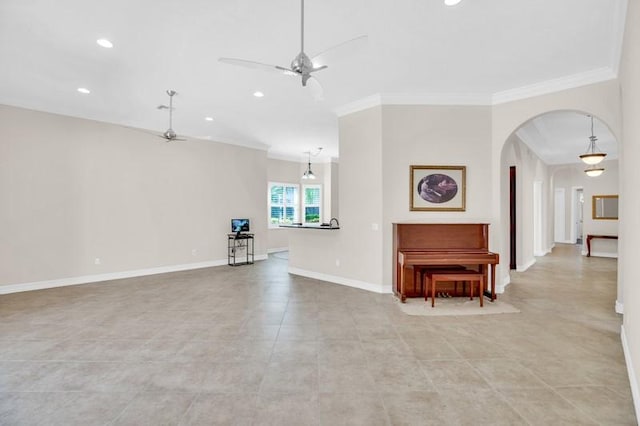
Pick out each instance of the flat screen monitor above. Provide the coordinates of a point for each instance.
(240, 225)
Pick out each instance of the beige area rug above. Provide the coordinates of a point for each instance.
(455, 306)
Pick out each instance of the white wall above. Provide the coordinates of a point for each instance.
(330, 192)
(353, 254)
(74, 190)
(433, 135)
(529, 169)
(628, 274)
(377, 147)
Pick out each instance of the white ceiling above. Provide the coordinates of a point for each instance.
(418, 49)
(559, 137)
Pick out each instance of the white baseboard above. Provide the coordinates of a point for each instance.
(602, 254)
(565, 242)
(277, 250)
(506, 280)
(619, 307)
(633, 381)
(86, 279)
(543, 252)
(526, 266)
(341, 280)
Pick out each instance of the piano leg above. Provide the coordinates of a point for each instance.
(401, 279)
(493, 282)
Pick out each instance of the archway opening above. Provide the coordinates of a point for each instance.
(553, 193)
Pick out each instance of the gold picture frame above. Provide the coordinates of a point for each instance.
(604, 207)
(437, 188)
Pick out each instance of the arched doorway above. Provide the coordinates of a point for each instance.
(551, 183)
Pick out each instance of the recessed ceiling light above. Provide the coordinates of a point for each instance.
(451, 2)
(104, 43)
(258, 94)
(84, 90)
(209, 118)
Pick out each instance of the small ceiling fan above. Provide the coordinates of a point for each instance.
(170, 135)
(302, 65)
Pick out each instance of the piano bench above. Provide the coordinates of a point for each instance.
(453, 276)
(422, 270)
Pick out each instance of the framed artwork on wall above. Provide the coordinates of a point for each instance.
(437, 188)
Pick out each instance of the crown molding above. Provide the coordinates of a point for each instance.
(475, 99)
(359, 105)
(478, 99)
(300, 159)
(285, 157)
(555, 85)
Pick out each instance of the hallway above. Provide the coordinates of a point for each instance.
(254, 345)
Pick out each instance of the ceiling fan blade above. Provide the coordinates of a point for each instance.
(286, 71)
(340, 52)
(315, 88)
(254, 65)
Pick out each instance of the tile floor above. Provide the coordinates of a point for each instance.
(253, 345)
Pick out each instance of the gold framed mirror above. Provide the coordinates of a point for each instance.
(605, 207)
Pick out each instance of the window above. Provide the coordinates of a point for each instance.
(311, 203)
(283, 203)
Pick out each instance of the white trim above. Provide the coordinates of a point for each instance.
(86, 279)
(555, 85)
(635, 392)
(341, 280)
(436, 99)
(597, 75)
(541, 253)
(566, 242)
(358, 105)
(506, 280)
(526, 266)
(619, 307)
(277, 249)
(603, 254)
(283, 157)
(574, 214)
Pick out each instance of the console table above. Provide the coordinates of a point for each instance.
(591, 237)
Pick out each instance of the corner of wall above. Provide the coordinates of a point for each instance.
(635, 391)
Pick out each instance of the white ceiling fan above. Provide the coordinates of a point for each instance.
(170, 135)
(303, 65)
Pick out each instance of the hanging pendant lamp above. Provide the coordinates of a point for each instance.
(592, 156)
(594, 171)
(308, 174)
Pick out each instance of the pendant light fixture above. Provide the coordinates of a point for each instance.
(308, 174)
(594, 171)
(592, 156)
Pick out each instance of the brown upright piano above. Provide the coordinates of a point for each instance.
(417, 245)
